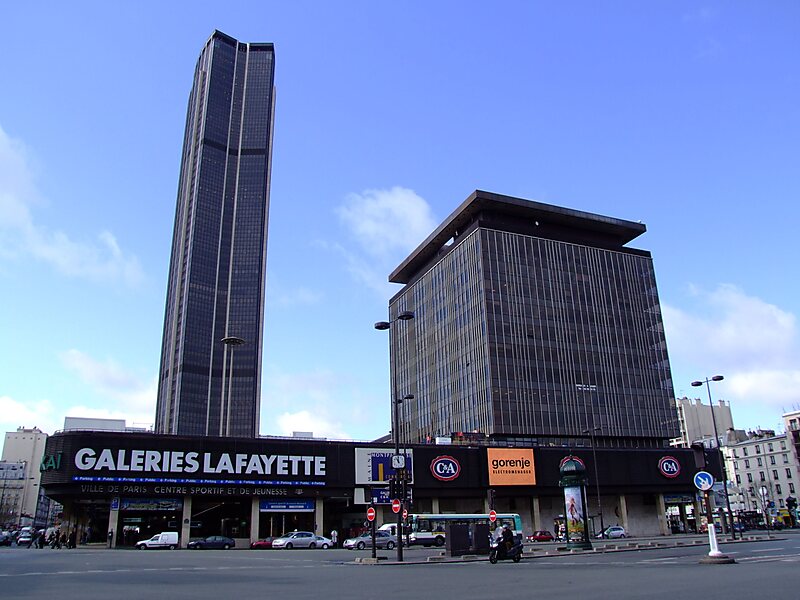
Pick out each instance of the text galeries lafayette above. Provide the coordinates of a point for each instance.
(157, 461)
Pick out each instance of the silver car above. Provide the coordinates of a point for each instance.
(300, 539)
(383, 539)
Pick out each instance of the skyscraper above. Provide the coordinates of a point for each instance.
(218, 264)
(535, 325)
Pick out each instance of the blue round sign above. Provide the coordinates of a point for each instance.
(703, 481)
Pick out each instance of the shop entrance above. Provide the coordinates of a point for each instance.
(230, 518)
(142, 518)
(277, 517)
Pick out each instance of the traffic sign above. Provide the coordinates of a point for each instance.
(492, 516)
(396, 505)
(703, 481)
(405, 514)
(370, 514)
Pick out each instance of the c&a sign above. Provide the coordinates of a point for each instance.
(511, 466)
(445, 468)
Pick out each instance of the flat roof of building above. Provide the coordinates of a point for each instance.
(619, 230)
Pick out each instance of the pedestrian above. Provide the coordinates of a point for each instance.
(62, 540)
(73, 538)
(334, 537)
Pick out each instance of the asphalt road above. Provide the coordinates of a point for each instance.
(767, 569)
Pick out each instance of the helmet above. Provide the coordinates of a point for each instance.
(505, 525)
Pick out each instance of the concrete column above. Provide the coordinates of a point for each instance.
(255, 519)
(684, 519)
(435, 506)
(661, 507)
(536, 514)
(113, 521)
(319, 523)
(186, 525)
(623, 512)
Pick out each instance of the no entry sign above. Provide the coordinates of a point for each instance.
(492, 516)
(396, 505)
(370, 514)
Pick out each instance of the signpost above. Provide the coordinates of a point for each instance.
(371, 519)
(704, 481)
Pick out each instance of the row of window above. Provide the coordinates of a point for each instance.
(762, 476)
(770, 448)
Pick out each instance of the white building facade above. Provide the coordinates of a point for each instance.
(25, 447)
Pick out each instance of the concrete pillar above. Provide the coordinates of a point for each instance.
(623, 512)
(255, 519)
(435, 506)
(536, 514)
(113, 521)
(684, 519)
(319, 515)
(186, 525)
(661, 507)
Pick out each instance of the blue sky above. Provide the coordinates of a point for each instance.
(683, 115)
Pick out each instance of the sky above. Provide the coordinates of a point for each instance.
(682, 115)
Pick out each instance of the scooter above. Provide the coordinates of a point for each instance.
(499, 551)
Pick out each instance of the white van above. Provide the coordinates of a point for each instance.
(167, 539)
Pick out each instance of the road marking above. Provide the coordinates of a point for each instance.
(768, 550)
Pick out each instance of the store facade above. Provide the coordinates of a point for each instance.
(125, 487)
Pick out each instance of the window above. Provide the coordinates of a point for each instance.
(786, 459)
(749, 478)
(772, 460)
(761, 476)
(775, 474)
(769, 446)
(783, 445)
(758, 449)
(788, 473)
(744, 451)
(791, 488)
(778, 489)
(746, 463)
(760, 464)
(780, 502)
(738, 479)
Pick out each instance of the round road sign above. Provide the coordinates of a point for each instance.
(492, 516)
(370, 514)
(396, 505)
(703, 481)
(405, 513)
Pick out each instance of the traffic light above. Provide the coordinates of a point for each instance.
(699, 452)
(394, 488)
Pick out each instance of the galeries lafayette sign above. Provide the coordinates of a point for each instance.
(175, 461)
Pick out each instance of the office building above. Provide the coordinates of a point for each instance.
(22, 454)
(218, 264)
(697, 422)
(534, 325)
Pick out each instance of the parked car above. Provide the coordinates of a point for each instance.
(614, 532)
(323, 542)
(212, 542)
(298, 539)
(5, 539)
(24, 539)
(383, 539)
(167, 539)
(541, 536)
(264, 544)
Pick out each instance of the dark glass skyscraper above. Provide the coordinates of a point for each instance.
(534, 324)
(218, 265)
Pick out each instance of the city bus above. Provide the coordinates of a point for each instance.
(429, 529)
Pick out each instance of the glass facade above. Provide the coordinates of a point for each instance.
(534, 340)
(218, 265)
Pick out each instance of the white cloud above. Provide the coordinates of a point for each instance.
(300, 296)
(134, 397)
(305, 421)
(20, 235)
(386, 221)
(41, 414)
(753, 343)
(386, 226)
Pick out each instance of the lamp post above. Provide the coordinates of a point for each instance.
(398, 461)
(707, 381)
(596, 478)
(225, 411)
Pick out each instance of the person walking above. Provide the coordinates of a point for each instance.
(334, 537)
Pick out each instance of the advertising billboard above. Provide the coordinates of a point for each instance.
(511, 466)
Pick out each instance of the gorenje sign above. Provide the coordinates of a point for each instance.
(176, 461)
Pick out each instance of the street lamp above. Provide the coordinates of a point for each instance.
(596, 478)
(231, 342)
(398, 461)
(707, 381)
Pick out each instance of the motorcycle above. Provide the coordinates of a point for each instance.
(499, 551)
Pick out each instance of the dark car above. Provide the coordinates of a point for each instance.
(541, 536)
(5, 540)
(219, 542)
(264, 544)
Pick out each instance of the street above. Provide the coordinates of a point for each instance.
(766, 568)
